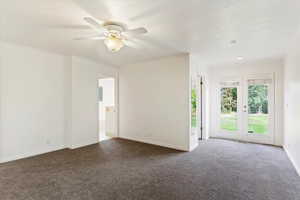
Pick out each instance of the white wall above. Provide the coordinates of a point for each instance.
(84, 129)
(85, 75)
(47, 101)
(32, 101)
(243, 69)
(292, 105)
(154, 102)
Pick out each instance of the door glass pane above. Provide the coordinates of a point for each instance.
(258, 110)
(194, 104)
(228, 120)
(194, 108)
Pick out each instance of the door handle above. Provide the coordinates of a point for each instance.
(244, 108)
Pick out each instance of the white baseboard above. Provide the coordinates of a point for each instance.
(29, 154)
(149, 141)
(83, 145)
(292, 160)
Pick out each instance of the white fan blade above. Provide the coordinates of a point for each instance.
(136, 31)
(97, 37)
(130, 43)
(69, 27)
(94, 24)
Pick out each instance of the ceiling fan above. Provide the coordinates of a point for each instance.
(115, 34)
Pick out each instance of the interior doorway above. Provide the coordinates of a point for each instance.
(107, 108)
(246, 108)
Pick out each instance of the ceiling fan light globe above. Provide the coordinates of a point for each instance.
(113, 44)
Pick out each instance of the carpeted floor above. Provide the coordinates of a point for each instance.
(120, 169)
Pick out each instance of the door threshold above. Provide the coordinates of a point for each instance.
(243, 141)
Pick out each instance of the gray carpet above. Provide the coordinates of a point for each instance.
(121, 169)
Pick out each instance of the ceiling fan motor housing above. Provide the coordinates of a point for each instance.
(114, 27)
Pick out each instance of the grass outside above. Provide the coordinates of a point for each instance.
(257, 123)
(194, 122)
(229, 122)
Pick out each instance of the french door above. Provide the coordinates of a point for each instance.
(246, 108)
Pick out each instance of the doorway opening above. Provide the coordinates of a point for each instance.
(197, 106)
(106, 108)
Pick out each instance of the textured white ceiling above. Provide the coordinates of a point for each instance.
(262, 28)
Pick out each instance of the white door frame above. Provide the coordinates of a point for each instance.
(242, 115)
(267, 138)
(224, 133)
